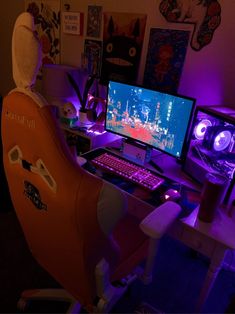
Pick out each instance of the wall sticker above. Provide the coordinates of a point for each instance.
(47, 23)
(204, 14)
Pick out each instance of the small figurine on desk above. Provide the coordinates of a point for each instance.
(68, 114)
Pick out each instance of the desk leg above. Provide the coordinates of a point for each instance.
(215, 266)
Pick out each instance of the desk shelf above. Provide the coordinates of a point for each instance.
(86, 140)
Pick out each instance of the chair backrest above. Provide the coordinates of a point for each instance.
(59, 205)
(5, 199)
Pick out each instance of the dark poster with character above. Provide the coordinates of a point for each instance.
(166, 54)
(122, 44)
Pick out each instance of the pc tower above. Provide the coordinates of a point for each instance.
(212, 145)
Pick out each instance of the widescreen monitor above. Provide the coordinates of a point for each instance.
(155, 118)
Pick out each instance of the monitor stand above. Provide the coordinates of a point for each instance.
(135, 151)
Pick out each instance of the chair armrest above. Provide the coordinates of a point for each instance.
(158, 221)
(154, 226)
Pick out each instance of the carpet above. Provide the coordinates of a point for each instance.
(145, 308)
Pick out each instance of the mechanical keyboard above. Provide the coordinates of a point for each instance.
(128, 170)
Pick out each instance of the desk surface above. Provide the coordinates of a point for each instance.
(190, 195)
(172, 170)
(222, 229)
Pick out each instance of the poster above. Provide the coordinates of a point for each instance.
(123, 36)
(92, 52)
(165, 58)
(72, 23)
(94, 19)
(47, 22)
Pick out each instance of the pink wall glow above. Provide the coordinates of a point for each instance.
(209, 74)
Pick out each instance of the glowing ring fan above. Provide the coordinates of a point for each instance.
(200, 128)
(222, 140)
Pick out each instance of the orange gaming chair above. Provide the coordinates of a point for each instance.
(76, 225)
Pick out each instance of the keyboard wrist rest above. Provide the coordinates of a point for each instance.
(159, 220)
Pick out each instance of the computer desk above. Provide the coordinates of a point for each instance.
(210, 239)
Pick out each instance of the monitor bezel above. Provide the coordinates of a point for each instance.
(183, 154)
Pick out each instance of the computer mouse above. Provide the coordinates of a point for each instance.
(81, 160)
(171, 195)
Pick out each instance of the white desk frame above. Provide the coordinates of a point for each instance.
(211, 239)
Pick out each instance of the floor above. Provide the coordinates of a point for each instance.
(178, 276)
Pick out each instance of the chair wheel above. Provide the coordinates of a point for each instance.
(22, 304)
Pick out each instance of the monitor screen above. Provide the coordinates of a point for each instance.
(152, 117)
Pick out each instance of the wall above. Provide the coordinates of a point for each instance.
(8, 13)
(208, 75)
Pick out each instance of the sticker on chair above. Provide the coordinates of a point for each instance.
(32, 193)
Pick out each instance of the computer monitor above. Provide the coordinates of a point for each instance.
(155, 118)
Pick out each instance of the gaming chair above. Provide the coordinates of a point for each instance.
(77, 226)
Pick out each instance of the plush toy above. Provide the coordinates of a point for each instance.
(68, 113)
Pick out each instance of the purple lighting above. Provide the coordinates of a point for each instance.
(222, 140)
(200, 129)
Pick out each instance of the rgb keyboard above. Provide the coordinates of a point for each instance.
(128, 170)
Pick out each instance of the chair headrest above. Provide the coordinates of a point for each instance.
(26, 51)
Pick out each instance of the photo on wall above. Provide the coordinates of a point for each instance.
(47, 23)
(165, 58)
(123, 36)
